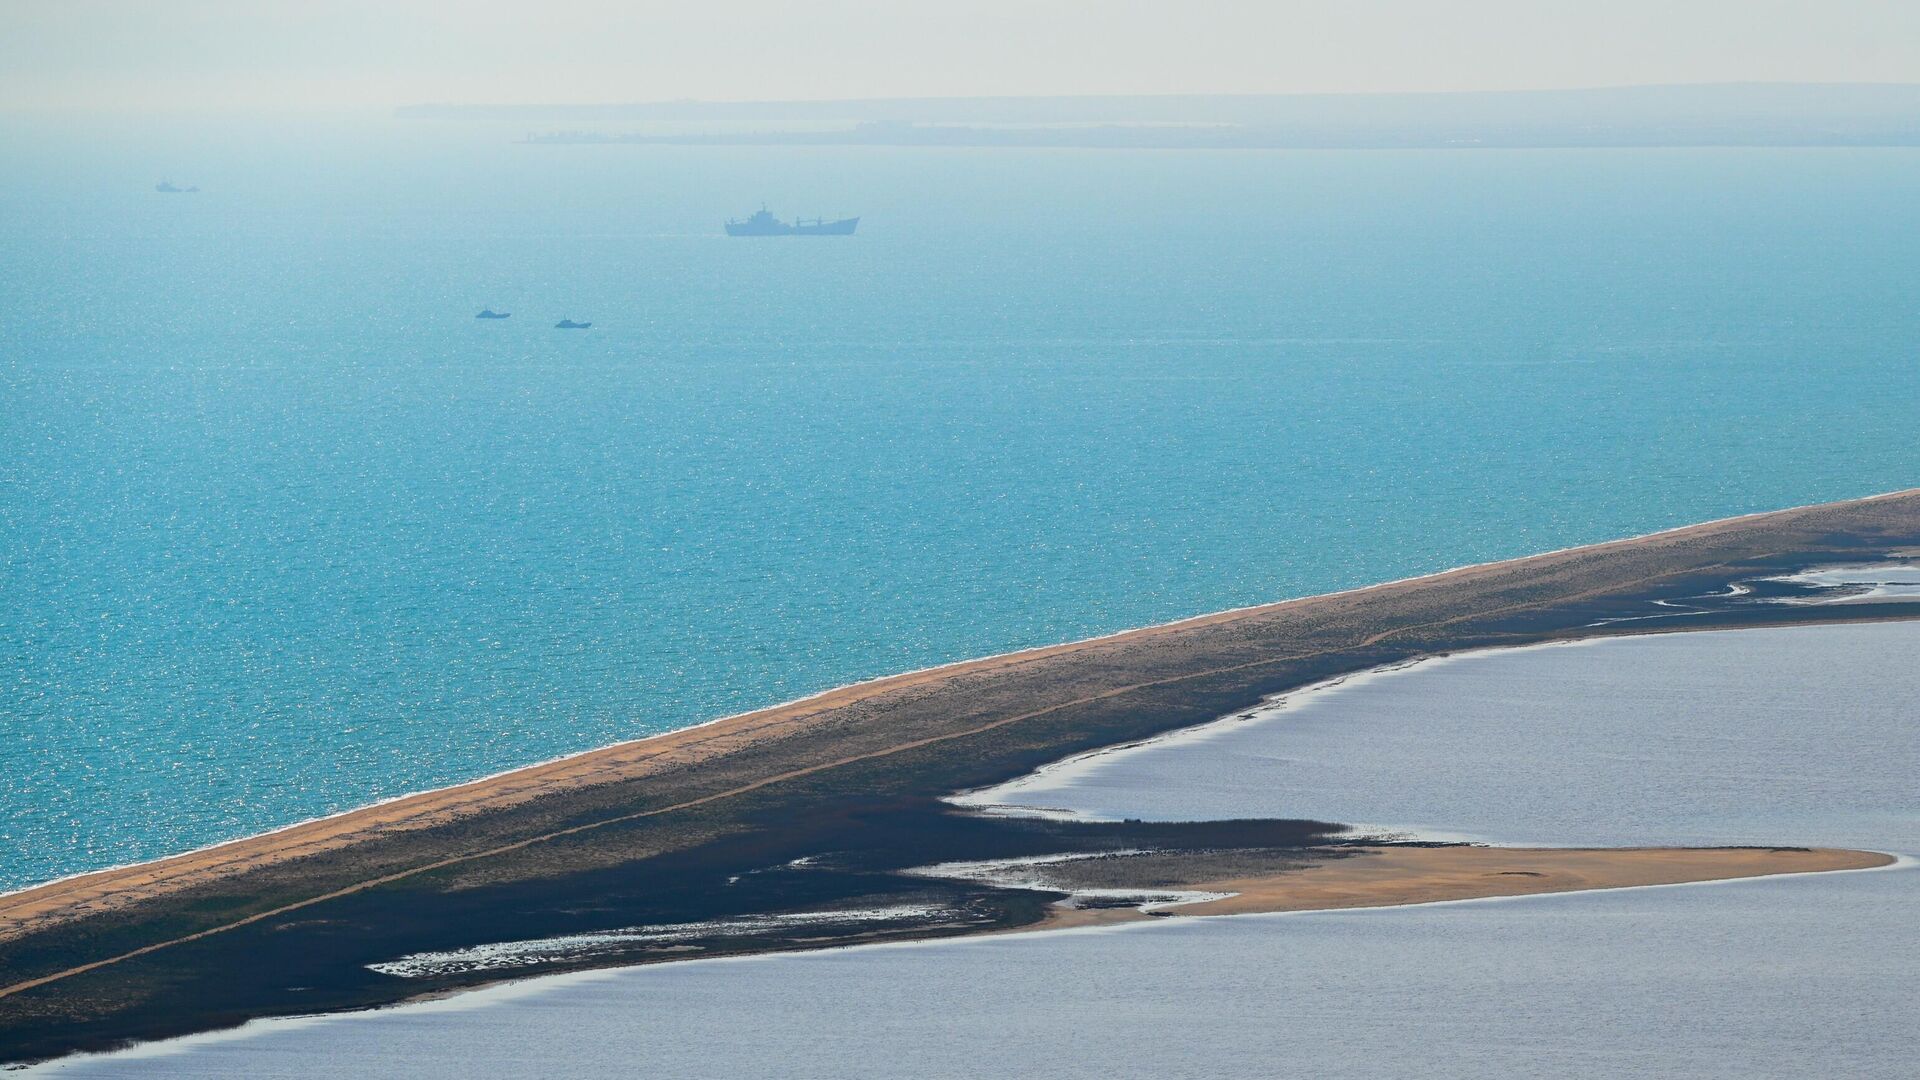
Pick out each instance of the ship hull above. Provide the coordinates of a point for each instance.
(843, 227)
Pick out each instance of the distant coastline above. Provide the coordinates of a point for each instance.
(1716, 115)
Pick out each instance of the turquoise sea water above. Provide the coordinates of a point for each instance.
(284, 530)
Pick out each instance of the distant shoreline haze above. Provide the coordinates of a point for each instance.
(1724, 114)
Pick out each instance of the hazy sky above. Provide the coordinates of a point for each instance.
(251, 53)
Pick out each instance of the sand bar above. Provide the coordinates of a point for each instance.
(1392, 877)
(683, 826)
(25, 910)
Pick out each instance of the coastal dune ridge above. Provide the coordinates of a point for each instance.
(824, 804)
(90, 892)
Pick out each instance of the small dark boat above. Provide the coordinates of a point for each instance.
(569, 324)
(489, 313)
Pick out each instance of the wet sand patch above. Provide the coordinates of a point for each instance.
(1394, 876)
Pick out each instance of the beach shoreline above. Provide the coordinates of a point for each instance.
(635, 829)
(1406, 876)
(83, 893)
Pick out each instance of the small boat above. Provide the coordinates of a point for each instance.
(569, 324)
(167, 187)
(489, 313)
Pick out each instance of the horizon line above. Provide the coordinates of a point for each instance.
(1102, 95)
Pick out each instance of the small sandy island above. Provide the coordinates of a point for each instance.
(1395, 876)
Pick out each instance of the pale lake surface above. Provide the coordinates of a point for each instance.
(1803, 735)
(284, 529)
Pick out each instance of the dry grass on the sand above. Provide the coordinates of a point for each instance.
(867, 721)
(1393, 876)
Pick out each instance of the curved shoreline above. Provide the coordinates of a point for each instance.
(822, 698)
(83, 893)
(660, 830)
(1003, 797)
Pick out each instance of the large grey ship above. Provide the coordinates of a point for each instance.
(763, 223)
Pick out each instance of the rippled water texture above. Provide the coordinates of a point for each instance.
(284, 529)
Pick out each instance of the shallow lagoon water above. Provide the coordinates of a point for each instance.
(1801, 735)
(1794, 735)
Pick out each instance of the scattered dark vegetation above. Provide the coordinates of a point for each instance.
(837, 838)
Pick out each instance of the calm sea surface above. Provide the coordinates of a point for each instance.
(285, 530)
(1804, 735)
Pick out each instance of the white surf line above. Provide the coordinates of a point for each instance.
(978, 799)
(1005, 874)
(1885, 582)
(1015, 654)
(527, 952)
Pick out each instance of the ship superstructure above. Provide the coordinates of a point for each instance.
(763, 223)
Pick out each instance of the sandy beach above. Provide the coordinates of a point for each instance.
(1396, 876)
(23, 911)
(160, 947)
(1390, 877)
